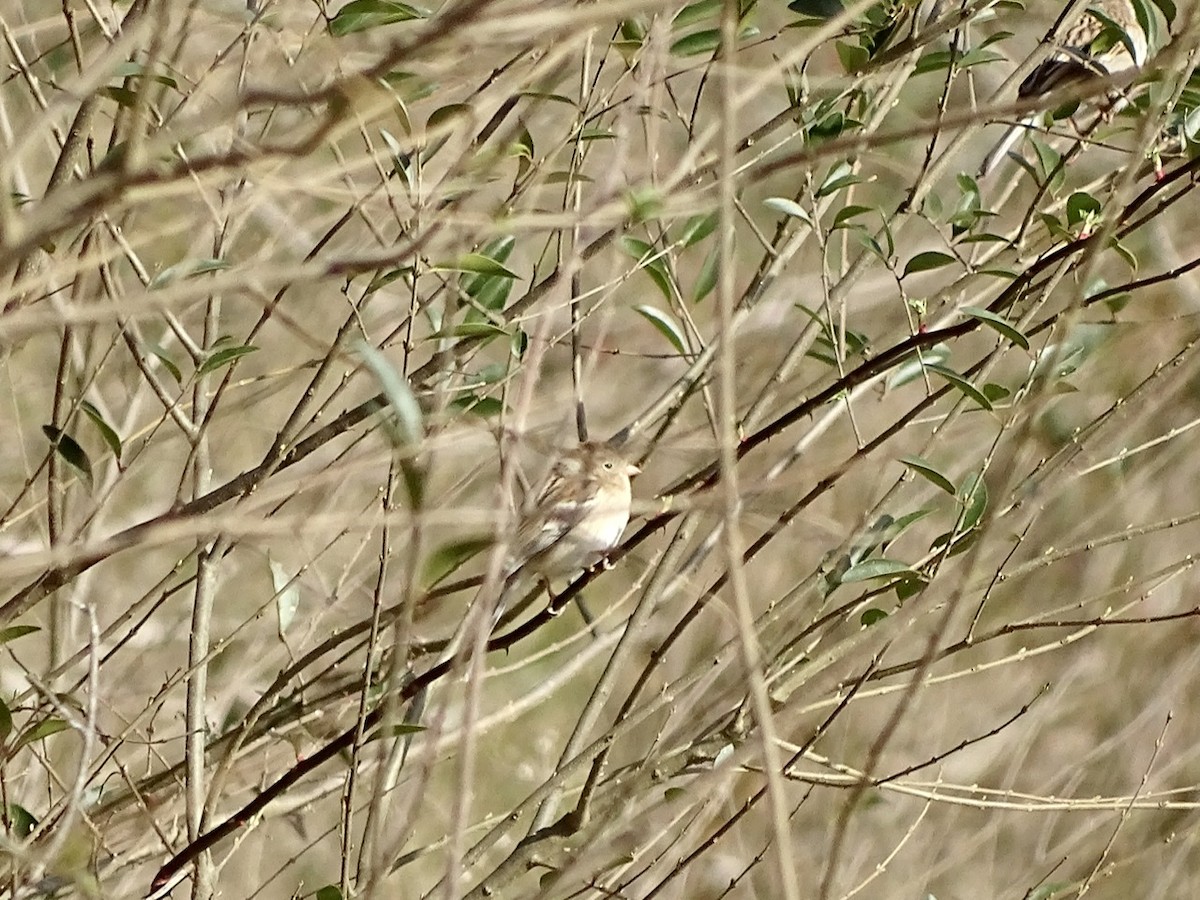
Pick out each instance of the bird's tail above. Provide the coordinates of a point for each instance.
(412, 717)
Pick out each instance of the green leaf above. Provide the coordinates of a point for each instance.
(999, 324)
(898, 527)
(833, 125)
(706, 41)
(122, 96)
(468, 330)
(498, 250)
(839, 177)
(846, 213)
(12, 632)
(1082, 208)
(853, 56)
(1128, 256)
(224, 357)
(696, 12)
(909, 587)
(706, 279)
(927, 471)
(489, 374)
(973, 495)
(483, 407)
(952, 543)
(871, 617)
(523, 145)
(651, 262)
(361, 15)
(1169, 12)
(68, 448)
(448, 558)
(923, 262)
(400, 729)
(287, 595)
(665, 324)
(519, 344)
(547, 95)
(562, 176)
(6, 722)
(130, 69)
(383, 279)
(817, 9)
(399, 395)
(645, 204)
(188, 268)
(161, 355)
(477, 263)
(329, 892)
(21, 821)
(442, 117)
(985, 237)
(401, 159)
(1068, 356)
(697, 228)
(879, 567)
(633, 30)
(1048, 890)
(964, 386)
(788, 208)
(938, 60)
(106, 431)
(995, 392)
(38, 732)
(914, 365)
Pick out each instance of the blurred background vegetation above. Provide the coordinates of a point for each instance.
(905, 608)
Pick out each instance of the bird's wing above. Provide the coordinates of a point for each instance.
(558, 509)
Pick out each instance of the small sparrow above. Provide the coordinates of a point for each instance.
(577, 516)
(1091, 48)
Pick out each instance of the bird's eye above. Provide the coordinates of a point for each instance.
(608, 465)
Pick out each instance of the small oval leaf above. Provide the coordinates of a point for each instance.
(478, 264)
(224, 357)
(12, 632)
(106, 430)
(973, 494)
(697, 228)
(871, 617)
(68, 448)
(21, 821)
(879, 567)
(40, 731)
(994, 321)
(399, 395)
(965, 387)
(923, 262)
(926, 470)
(665, 324)
(651, 261)
(361, 15)
(788, 208)
(914, 365)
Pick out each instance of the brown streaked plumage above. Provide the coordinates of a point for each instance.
(1088, 50)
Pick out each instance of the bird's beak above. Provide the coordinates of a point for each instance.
(631, 470)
